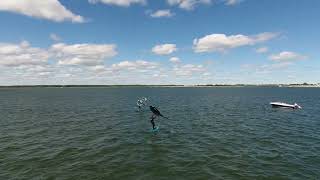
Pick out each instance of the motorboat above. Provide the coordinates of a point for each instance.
(285, 105)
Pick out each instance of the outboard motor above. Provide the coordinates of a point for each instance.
(296, 106)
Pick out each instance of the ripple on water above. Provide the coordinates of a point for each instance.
(212, 133)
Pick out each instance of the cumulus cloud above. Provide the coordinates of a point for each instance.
(187, 4)
(37, 70)
(232, 2)
(160, 75)
(44, 9)
(134, 65)
(82, 54)
(123, 3)
(266, 68)
(164, 49)
(269, 68)
(206, 74)
(222, 42)
(98, 68)
(287, 56)
(262, 50)
(22, 54)
(281, 65)
(175, 60)
(188, 69)
(55, 37)
(162, 13)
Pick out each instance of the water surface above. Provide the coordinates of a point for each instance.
(213, 133)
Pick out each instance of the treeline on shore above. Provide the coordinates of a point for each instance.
(166, 85)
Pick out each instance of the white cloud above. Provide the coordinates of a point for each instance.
(232, 2)
(55, 37)
(162, 13)
(187, 4)
(82, 54)
(123, 3)
(287, 56)
(44, 9)
(36, 70)
(222, 42)
(164, 49)
(175, 60)
(274, 66)
(266, 68)
(281, 65)
(206, 74)
(22, 54)
(188, 69)
(160, 75)
(270, 68)
(134, 65)
(46, 74)
(262, 50)
(98, 68)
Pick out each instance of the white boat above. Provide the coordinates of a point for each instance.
(285, 105)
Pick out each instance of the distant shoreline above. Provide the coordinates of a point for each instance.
(154, 86)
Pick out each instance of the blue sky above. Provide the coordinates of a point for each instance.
(159, 41)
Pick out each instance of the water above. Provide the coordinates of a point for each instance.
(213, 133)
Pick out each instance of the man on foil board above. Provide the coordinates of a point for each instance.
(155, 113)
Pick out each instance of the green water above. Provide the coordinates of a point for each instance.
(212, 133)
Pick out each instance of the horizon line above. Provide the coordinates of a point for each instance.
(182, 85)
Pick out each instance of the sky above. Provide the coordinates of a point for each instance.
(159, 42)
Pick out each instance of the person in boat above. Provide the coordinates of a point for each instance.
(155, 113)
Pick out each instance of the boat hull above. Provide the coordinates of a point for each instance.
(284, 105)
